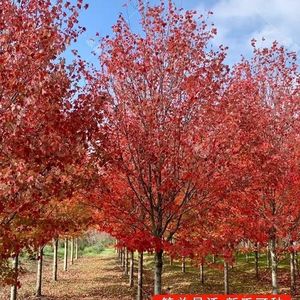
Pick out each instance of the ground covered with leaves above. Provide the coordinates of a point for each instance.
(100, 276)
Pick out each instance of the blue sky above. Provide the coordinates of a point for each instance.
(238, 21)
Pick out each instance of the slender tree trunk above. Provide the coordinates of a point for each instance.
(14, 287)
(140, 277)
(122, 256)
(72, 251)
(66, 255)
(268, 257)
(183, 265)
(202, 273)
(76, 248)
(171, 261)
(158, 272)
(256, 264)
(214, 259)
(296, 263)
(39, 273)
(226, 278)
(126, 262)
(55, 249)
(272, 248)
(131, 269)
(292, 270)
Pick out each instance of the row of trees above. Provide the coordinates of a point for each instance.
(70, 255)
(43, 146)
(164, 147)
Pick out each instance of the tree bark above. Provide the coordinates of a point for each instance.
(226, 278)
(272, 248)
(72, 252)
(158, 272)
(171, 261)
(292, 270)
(183, 265)
(214, 259)
(296, 263)
(39, 273)
(140, 277)
(116, 243)
(126, 262)
(14, 288)
(256, 262)
(66, 255)
(55, 249)
(268, 257)
(202, 273)
(123, 258)
(131, 269)
(76, 248)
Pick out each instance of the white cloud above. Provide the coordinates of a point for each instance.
(238, 21)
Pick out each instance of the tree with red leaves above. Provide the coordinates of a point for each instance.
(160, 86)
(43, 136)
(262, 110)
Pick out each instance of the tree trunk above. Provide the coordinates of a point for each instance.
(268, 257)
(140, 277)
(72, 252)
(292, 270)
(116, 243)
(39, 273)
(272, 248)
(126, 262)
(214, 259)
(66, 255)
(202, 273)
(131, 269)
(123, 258)
(55, 249)
(14, 288)
(183, 265)
(226, 281)
(296, 263)
(256, 264)
(76, 248)
(158, 272)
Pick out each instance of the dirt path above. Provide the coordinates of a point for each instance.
(90, 278)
